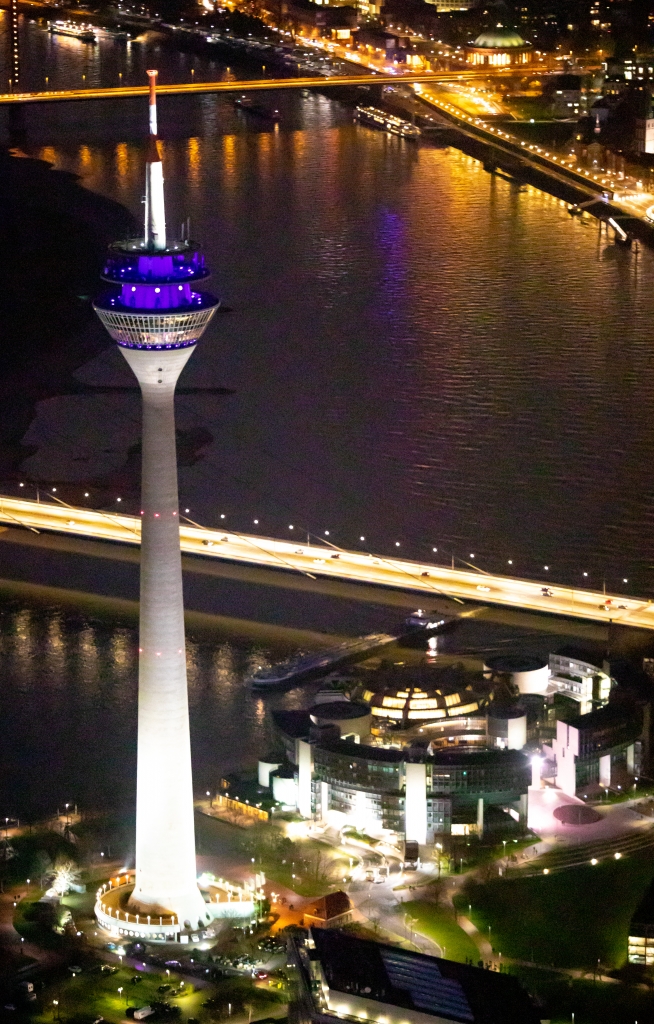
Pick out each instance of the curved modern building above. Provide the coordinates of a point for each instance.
(414, 791)
(352, 718)
(446, 746)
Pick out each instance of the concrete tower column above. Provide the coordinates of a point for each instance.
(165, 834)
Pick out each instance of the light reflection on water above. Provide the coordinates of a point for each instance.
(68, 706)
(409, 337)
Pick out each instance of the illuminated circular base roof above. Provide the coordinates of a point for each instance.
(500, 38)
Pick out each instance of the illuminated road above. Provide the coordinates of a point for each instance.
(627, 195)
(562, 168)
(247, 85)
(335, 563)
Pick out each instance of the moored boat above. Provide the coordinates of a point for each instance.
(376, 118)
(85, 33)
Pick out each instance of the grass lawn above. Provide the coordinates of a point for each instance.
(436, 923)
(93, 994)
(569, 919)
(35, 927)
(318, 868)
(592, 1003)
(529, 106)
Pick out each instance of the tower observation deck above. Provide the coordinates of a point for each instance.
(151, 309)
(151, 303)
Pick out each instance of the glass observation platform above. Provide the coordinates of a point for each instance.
(150, 302)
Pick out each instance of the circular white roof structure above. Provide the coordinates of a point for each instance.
(500, 38)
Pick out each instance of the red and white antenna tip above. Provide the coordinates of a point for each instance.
(152, 75)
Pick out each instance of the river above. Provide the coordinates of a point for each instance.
(417, 353)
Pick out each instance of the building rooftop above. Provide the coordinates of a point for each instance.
(463, 758)
(506, 711)
(334, 904)
(616, 713)
(335, 710)
(589, 657)
(426, 984)
(515, 663)
(500, 38)
(296, 724)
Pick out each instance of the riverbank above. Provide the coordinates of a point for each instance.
(53, 236)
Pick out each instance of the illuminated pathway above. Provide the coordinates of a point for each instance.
(335, 563)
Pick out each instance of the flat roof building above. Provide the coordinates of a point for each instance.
(344, 977)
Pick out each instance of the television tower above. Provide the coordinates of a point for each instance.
(152, 312)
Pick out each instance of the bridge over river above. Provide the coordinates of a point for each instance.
(426, 583)
(230, 86)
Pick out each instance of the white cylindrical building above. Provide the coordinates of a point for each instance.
(526, 673)
(156, 318)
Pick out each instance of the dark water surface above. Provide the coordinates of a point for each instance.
(68, 707)
(418, 353)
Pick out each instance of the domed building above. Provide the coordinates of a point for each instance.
(499, 47)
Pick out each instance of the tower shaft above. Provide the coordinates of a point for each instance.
(165, 835)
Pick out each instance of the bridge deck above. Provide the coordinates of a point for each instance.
(246, 85)
(423, 578)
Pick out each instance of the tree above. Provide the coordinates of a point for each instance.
(42, 867)
(66, 874)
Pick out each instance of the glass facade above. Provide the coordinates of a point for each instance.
(368, 783)
(151, 303)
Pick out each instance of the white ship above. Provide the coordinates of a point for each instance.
(376, 118)
(85, 33)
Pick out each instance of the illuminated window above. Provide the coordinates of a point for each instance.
(393, 702)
